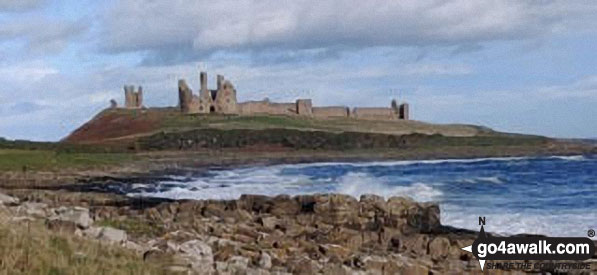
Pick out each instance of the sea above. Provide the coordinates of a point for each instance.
(554, 196)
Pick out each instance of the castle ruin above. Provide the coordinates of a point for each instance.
(132, 99)
(222, 100)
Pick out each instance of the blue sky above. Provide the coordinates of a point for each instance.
(518, 66)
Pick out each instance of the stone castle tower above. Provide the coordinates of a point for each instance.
(225, 97)
(133, 99)
(222, 100)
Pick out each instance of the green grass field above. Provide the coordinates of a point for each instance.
(21, 159)
(110, 125)
(178, 121)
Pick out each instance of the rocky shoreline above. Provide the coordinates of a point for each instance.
(330, 234)
(308, 234)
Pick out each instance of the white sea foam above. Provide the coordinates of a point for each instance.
(269, 180)
(232, 184)
(493, 180)
(429, 161)
(296, 179)
(511, 222)
(570, 158)
(357, 184)
(138, 185)
(178, 178)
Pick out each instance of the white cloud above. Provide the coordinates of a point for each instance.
(42, 35)
(436, 69)
(26, 72)
(208, 26)
(583, 89)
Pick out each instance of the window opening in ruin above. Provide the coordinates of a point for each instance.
(212, 109)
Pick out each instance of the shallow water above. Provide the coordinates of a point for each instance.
(556, 196)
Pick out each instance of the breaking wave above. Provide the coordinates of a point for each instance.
(357, 184)
(571, 158)
(574, 223)
(494, 180)
(233, 184)
(553, 195)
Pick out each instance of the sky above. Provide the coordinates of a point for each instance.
(516, 66)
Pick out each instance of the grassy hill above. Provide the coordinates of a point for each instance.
(118, 124)
(118, 137)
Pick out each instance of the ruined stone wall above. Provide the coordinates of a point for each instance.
(139, 98)
(304, 107)
(266, 107)
(205, 100)
(225, 101)
(374, 113)
(404, 112)
(204, 103)
(195, 105)
(282, 108)
(129, 96)
(253, 107)
(132, 99)
(185, 97)
(332, 111)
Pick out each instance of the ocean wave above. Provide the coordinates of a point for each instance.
(428, 161)
(231, 185)
(570, 158)
(517, 195)
(357, 184)
(282, 178)
(493, 180)
(512, 222)
(399, 162)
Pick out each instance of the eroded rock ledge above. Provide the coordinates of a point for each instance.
(330, 234)
(307, 234)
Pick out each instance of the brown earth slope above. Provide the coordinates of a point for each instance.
(110, 124)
